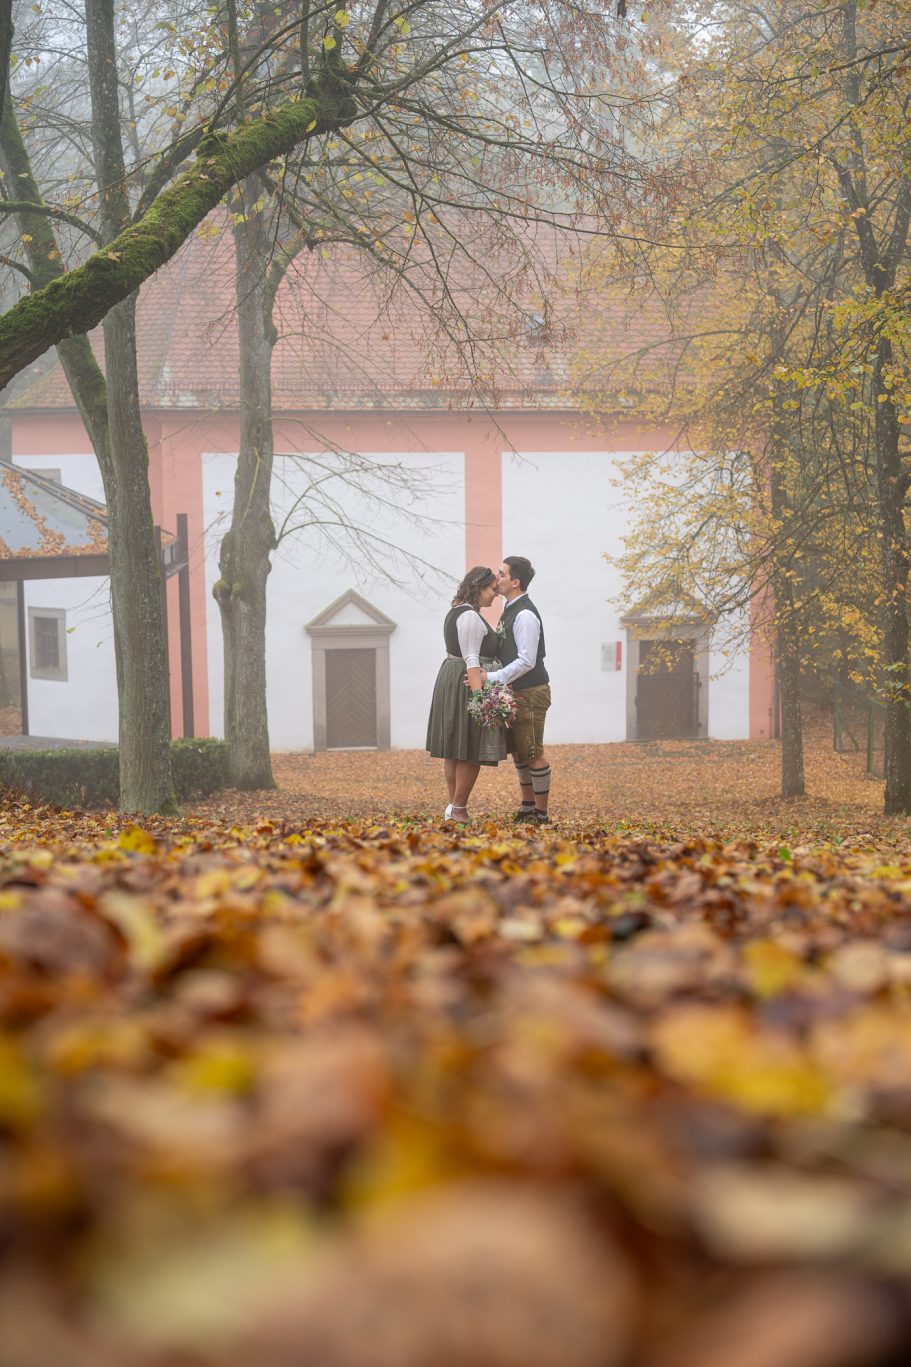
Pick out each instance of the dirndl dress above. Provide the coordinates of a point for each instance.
(451, 732)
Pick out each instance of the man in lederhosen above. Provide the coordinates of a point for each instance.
(522, 656)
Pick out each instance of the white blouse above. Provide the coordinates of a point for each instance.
(526, 630)
(472, 629)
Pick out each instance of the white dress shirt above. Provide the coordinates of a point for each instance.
(472, 629)
(526, 628)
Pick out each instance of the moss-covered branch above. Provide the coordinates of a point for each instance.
(77, 301)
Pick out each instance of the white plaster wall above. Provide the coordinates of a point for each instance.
(79, 472)
(729, 684)
(563, 510)
(84, 706)
(310, 570)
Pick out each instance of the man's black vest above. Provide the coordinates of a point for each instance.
(509, 650)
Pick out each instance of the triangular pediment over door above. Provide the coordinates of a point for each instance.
(350, 609)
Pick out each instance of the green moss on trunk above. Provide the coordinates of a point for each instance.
(76, 302)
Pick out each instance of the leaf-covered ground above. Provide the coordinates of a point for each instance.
(306, 1079)
(686, 786)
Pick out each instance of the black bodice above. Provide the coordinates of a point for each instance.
(451, 633)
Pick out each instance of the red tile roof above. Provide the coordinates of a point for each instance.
(350, 340)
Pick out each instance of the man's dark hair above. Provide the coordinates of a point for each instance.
(520, 569)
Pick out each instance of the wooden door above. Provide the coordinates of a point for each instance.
(350, 699)
(666, 691)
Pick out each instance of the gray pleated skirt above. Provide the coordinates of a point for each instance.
(451, 732)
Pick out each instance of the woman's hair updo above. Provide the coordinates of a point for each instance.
(469, 591)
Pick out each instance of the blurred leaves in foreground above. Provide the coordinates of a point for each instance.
(364, 1095)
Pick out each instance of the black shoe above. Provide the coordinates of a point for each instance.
(525, 816)
(541, 819)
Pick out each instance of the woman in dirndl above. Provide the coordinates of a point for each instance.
(452, 735)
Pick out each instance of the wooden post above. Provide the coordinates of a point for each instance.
(156, 532)
(23, 657)
(186, 635)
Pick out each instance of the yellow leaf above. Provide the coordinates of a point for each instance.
(328, 42)
(569, 927)
(409, 1155)
(341, 18)
(220, 1067)
(136, 921)
(21, 1097)
(721, 1052)
(212, 883)
(135, 838)
(770, 967)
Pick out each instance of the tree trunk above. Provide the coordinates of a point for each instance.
(880, 260)
(120, 447)
(244, 558)
(789, 652)
(146, 784)
(891, 489)
(6, 44)
(788, 648)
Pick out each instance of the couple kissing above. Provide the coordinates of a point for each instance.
(512, 654)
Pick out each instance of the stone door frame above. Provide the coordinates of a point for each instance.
(326, 634)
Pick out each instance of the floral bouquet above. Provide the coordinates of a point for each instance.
(493, 705)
